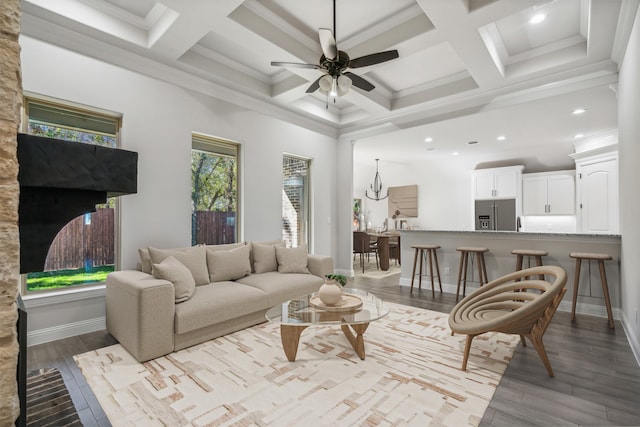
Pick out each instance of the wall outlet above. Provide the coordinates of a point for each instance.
(447, 271)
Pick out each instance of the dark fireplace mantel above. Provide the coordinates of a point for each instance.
(60, 180)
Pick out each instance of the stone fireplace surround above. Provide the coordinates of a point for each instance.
(10, 104)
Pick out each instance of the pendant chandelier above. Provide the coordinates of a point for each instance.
(376, 187)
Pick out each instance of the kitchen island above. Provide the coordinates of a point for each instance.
(499, 261)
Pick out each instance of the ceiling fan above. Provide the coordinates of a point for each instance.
(334, 63)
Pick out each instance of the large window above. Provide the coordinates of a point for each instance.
(295, 201)
(84, 251)
(214, 190)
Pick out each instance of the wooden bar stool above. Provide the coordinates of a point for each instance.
(601, 258)
(529, 253)
(465, 253)
(424, 252)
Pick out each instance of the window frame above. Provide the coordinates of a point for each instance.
(208, 144)
(32, 98)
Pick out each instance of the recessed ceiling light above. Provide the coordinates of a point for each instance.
(537, 18)
(578, 135)
(455, 153)
(578, 111)
(428, 139)
(501, 138)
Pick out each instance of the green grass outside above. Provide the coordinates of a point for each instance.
(50, 280)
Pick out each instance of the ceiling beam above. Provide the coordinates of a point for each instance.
(190, 26)
(452, 19)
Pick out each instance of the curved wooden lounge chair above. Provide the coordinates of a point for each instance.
(513, 305)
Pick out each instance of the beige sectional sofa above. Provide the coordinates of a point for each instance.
(182, 297)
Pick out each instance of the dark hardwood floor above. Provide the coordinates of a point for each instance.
(597, 380)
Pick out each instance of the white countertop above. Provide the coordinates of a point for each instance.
(513, 233)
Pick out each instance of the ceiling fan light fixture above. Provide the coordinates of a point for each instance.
(325, 83)
(334, 87)
(344, 82)
(334, 63)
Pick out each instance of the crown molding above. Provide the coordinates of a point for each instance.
(55, 34)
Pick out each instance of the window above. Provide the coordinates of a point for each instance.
(295, 201)
(214, 190)
(84, 251)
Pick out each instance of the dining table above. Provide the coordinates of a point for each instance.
(383, 238)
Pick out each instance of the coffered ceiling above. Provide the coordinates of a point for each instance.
(457, 57)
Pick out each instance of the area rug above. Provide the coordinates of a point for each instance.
(48, 400)
(411, 377)
(371, 271)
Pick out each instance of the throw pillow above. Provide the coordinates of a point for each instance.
(228, 265)
(252, 260)
(177, 273)
(264, 258)
(145, 260)
(194, 258)
(292, 260)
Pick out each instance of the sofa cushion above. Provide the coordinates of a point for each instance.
(174, 271)
(225, 246)
(194, 258)
(281, 287)
(264, 243)
(145, 260)
(292, 260)
(217, 302)
(264, 258)
(228, 265)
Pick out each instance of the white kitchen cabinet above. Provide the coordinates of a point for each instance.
(597, 193)
(496, 183)
(550, 193)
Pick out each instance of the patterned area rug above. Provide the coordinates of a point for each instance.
(48, 400)
(411, 376)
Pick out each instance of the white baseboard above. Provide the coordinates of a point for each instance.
(581, 308)
(633, 341)
(426, 284)
(590, 310)
(54, 333)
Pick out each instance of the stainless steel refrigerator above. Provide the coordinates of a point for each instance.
(496, 214)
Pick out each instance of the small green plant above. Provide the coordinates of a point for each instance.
(340, 278)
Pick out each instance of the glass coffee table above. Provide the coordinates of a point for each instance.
(298, 314)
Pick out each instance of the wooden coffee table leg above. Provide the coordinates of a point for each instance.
(290, 336)
(357, 342)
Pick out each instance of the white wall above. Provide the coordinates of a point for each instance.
(158, 119)
(629, 145)
(443, 191)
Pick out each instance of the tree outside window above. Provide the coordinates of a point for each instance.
(214, 191)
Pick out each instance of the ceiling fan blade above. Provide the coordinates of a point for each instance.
(374, 58)
(359, 82)
(328, 43)
(295, 65)
(314, 86)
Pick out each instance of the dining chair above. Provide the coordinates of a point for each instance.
(394, 248)
(362, 245)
